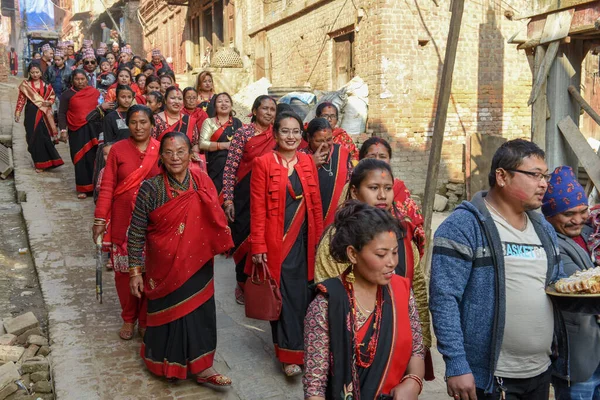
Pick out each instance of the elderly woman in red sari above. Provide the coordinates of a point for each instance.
(178, 221)
(216, 135)
(37, 97)
(129, 163)
(286, 224)
(76, 104)
(364, 320)
(330, 112)
(248, 142)
(334, 165)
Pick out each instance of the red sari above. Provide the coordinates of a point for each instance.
(83, 138)
(39, 123)
(125, 170)
(198, 114)
(394, 347)
(183, 235)
(410, 214)
(341, 137)
(286, 224)
(187, 218)
(255, 147)
(122, 177)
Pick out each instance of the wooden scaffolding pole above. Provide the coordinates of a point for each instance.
(433, 167)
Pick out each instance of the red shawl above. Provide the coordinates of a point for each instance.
(217, 133)
(80, 105)
(36, 98)
(198, 114)
(183, 235)
(255, 147)
(185, 125)
(410, 214)
(134, 181)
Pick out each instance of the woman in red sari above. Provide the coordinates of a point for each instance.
(190, 99)
(286, 224)
(410, 212)
(206, 91)
(174, 119)
(334, 165)
(75, 105)
(215, 138)
(129, 163)
(364, 320)
(248, 142)
(37, 97)
(178, 221)
(330, 112)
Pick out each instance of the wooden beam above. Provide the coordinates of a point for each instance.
(555, 6)
(435, 152)
(584, 104)
(531, 43)
(584, 152)
(540, 105)
(542, 74)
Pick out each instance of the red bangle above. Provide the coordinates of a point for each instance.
(416, 379)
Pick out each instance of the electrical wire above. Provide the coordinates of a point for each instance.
(325, 40)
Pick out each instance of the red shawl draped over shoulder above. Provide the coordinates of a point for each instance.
(80, 105)
(198, 114)
(108, 196)
(410, 214)
(183, 234)
(255, 147)
(44, 112)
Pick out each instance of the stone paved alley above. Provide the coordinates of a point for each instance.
(89, 360)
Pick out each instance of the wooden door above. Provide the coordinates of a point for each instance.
(195, 23)
(343, 69)
(230, 24)
(217, 24)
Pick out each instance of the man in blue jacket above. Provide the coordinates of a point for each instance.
(493, 258)
(565, 207)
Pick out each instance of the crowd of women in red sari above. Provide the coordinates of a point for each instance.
(180, 180)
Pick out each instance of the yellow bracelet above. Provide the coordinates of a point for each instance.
(135, 271)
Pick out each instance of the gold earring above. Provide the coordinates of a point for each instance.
(350, 277)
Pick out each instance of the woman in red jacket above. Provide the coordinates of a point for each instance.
(129, 163)
(285, 226)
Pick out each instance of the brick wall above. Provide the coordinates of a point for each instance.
(399, 50)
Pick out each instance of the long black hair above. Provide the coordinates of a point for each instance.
(356, 224)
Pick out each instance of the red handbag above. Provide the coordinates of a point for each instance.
(262, 296)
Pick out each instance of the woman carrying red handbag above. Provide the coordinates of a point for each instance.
(286, 224)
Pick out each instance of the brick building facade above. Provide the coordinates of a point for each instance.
(396, 46)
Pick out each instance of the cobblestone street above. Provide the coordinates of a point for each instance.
(89, 361)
